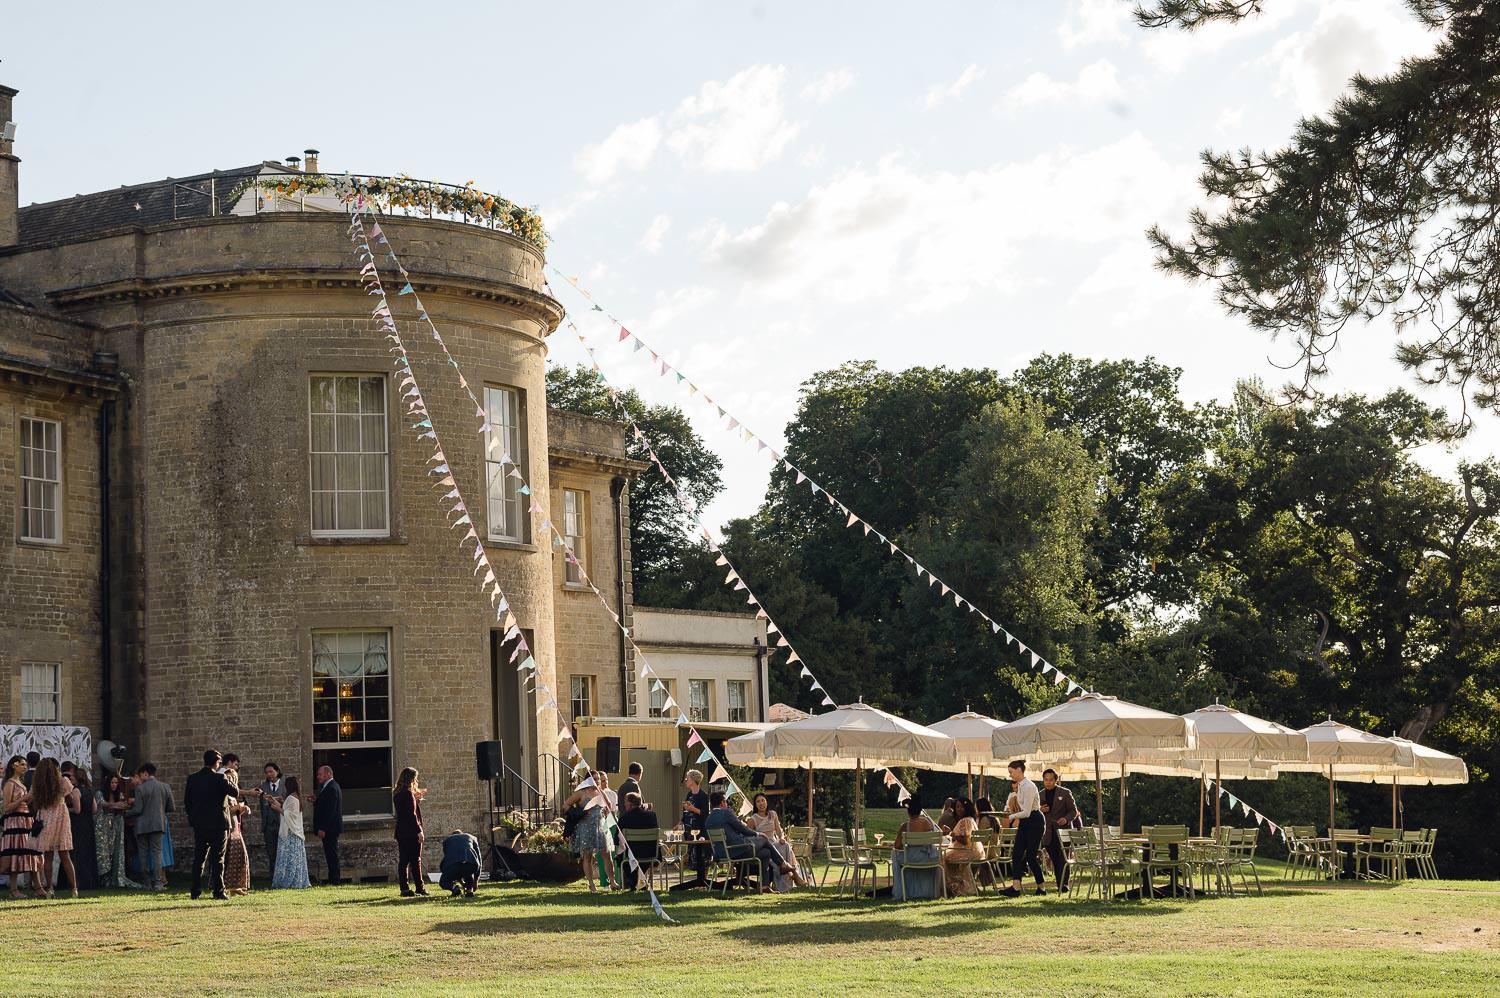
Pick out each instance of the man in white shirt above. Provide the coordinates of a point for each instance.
(1030, 826)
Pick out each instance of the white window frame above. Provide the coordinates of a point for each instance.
(740, 687)
(390, 696)
(695, 711)
(384, 453)
(504, 512)
(656, 705)
(36, 481)
(581, 695)
(41, 682)
(575, 531)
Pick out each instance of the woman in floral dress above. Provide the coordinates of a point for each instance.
(109, 833)
(236, 856)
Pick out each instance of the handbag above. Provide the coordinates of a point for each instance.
(37, 824)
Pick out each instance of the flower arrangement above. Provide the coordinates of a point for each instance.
(513, 823)
(546, 839)
(407, 193)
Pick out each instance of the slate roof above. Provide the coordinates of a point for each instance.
(139, 204)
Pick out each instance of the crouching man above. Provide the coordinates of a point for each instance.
(460, 869)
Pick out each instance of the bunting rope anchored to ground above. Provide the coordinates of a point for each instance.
(421, 423)
(744, 434)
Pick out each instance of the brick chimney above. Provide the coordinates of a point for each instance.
(10, 190)
(310, 164)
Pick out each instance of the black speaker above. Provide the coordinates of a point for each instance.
(607, 754)
(488, 760)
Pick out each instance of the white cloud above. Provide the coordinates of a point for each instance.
(739, 124)
(670, 307)
(938, 238)
(651, 239)
(953, 91)
(1314, 65)
(1170, 49)
(1096, 82)
(1089, 22)
(629, 147)
(829, 85)
(1229, 119)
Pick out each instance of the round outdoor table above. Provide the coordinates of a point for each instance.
(1353, 841)
(1143, 844)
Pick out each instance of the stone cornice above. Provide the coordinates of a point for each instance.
(28, 372)
(544, 310)
(581, 460)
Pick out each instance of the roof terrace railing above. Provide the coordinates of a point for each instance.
(408, 195)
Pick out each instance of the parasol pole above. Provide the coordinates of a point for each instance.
(1099, 807)
(1394, 801)
(1201, 781)
(810, 833)
(1122, 799)
(1330, 802)
(971, 781)
(859, 793)
(1218, 797)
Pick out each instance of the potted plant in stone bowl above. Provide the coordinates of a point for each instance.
(546, 855)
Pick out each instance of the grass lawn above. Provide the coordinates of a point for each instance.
(1432, 938)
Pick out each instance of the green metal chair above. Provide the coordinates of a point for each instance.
(936, 864)
(1160, 858)
(1302, 853)
(1240, 859)
(733, 867)
(649, 867)
(1384, 853)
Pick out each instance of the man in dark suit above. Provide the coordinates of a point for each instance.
(742, 841)
(270, 818)
(634, 816)
(208, 801)
(632, 784)
(1059, 809)
(328, 819)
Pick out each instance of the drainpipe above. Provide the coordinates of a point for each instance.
(617, 493)
(106, 664)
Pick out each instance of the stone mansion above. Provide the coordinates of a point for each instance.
(216, 531)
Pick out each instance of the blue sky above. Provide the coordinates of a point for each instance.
(761, 190)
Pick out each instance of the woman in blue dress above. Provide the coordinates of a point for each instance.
(291, 847)
(916, 883)
(591, 838)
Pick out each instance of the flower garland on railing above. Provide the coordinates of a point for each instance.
(407, 193)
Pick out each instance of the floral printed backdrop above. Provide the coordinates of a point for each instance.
(62, 742)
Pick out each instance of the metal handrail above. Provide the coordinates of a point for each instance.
(254, 184)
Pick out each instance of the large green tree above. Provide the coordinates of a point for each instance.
(1384, 205)
(662, 535)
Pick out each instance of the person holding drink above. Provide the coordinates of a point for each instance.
(694, 817)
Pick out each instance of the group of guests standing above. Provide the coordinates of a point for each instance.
(1035, 814)
(57, 828)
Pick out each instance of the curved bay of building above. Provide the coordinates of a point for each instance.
(285, 583)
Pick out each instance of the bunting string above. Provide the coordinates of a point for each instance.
(732, 578)
(744, 434)
(1249, 812)
(511, 469)
(420, 421)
